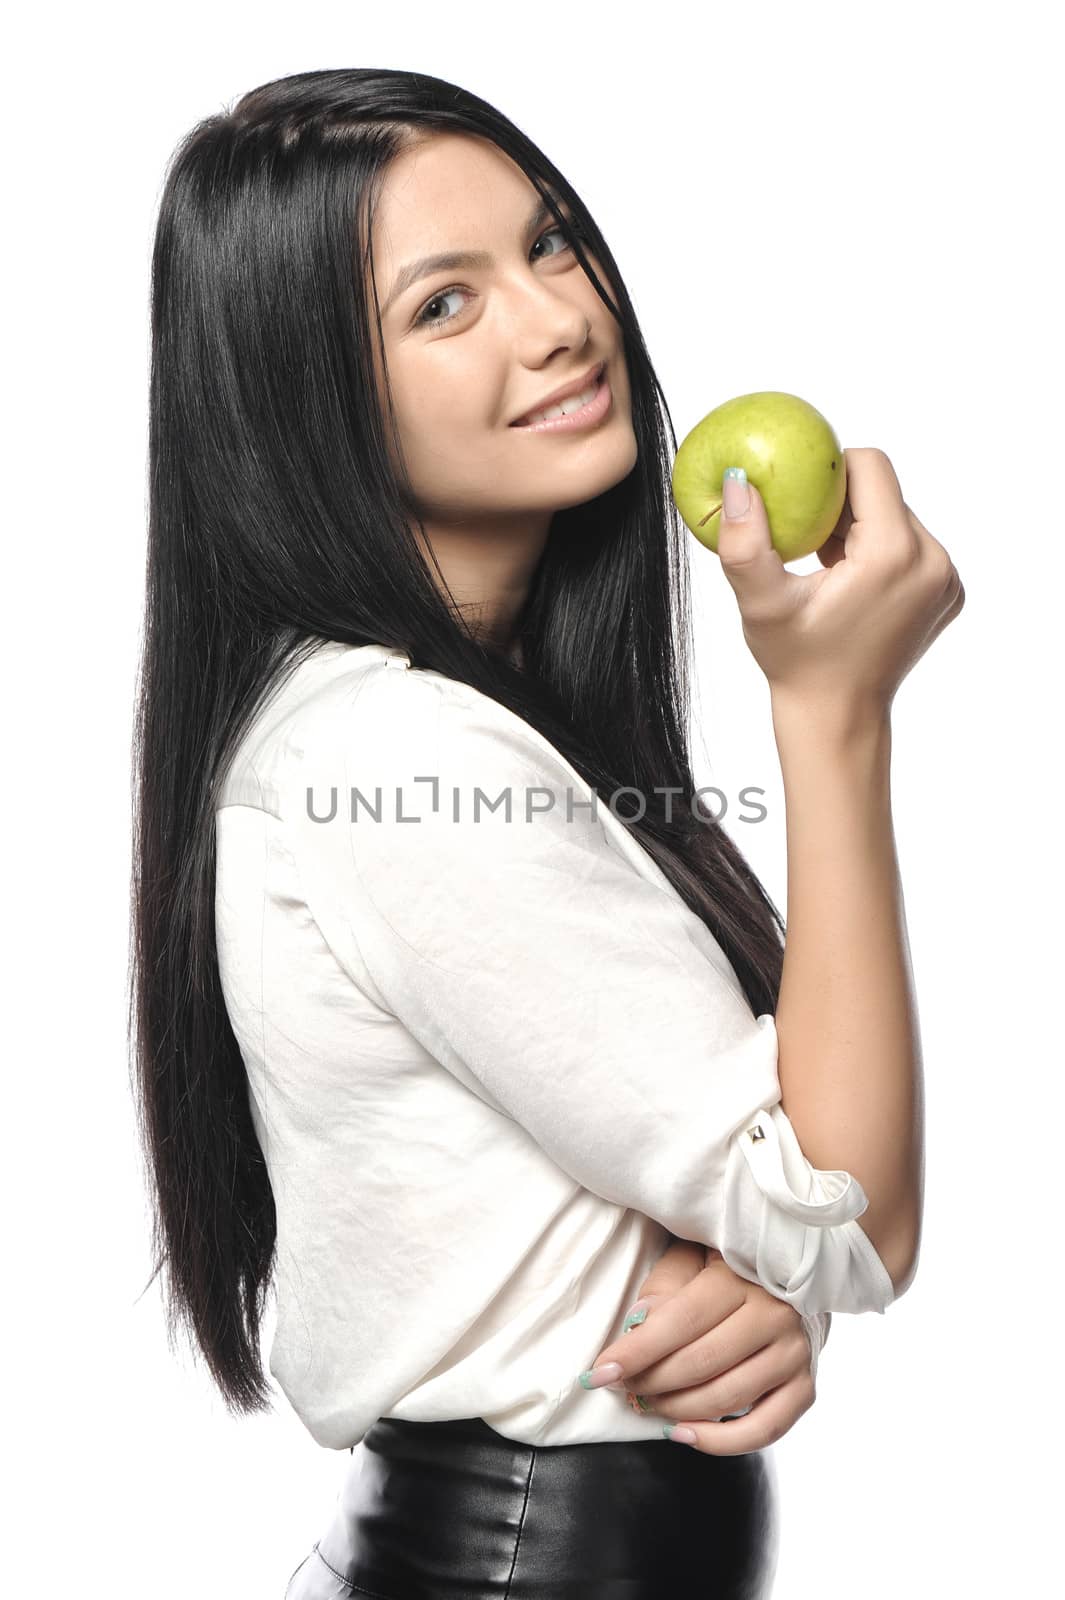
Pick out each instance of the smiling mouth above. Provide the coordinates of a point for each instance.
(576, 412)
(560, 408)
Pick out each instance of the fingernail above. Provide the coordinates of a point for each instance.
(679, 1434)
(597, 1377)
(637, 1315)
(735, 495)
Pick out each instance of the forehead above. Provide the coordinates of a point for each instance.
(446, 190)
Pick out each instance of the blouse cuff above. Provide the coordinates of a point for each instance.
(772, 1150)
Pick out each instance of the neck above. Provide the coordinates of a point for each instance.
(487, 572)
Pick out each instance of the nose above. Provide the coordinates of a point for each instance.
(548, 321)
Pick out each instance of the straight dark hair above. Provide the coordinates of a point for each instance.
(279, 516)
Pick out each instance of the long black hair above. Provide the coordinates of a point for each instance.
(280, 516)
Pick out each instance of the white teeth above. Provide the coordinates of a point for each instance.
(564, 407)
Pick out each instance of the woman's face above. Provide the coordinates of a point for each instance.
(472, 348)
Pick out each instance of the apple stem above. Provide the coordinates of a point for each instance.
(712, 512)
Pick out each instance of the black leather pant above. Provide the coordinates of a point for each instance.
(455, 1511)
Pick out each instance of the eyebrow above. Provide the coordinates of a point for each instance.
(451, 260)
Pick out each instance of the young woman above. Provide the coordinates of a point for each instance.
(458, 1020)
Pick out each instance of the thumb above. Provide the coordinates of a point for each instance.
(744, 544)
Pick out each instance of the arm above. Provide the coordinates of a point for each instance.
(850, 1062)
(834, 647)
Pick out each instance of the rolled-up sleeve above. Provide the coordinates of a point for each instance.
(582, 999)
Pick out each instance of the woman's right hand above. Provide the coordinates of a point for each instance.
(848, 635)
(715, 1346)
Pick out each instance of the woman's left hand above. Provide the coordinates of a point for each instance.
(714, 1344)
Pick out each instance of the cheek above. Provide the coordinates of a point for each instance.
(421, 408)
(441, 405)
(446, 428)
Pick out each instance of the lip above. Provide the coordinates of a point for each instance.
(585, 382)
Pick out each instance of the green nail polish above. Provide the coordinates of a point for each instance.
(634, 1319)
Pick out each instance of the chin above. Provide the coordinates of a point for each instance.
(613, 468)
(591, 487)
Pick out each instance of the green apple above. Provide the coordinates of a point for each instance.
(788, 451)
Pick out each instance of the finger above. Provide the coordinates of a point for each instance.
(874, 494)
(722, 1351)
(687, 1318)
(927, 542)
(918, 525)
(951, 611)
(769, 1420)
(845, 521)
(931, 546)
(752, 566)
(735, 1388)
(833, 548)
(831, 551)
(635, 1318)
(871, 482)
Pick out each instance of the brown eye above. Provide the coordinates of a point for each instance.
(424, 320)
(556, 229)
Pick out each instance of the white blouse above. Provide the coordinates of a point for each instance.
(493, 1062)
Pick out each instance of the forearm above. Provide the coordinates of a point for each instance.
(850, 1056)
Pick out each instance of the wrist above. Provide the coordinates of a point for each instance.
(844, 721)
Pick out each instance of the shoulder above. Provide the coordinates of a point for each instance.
(385, 722)
(337, 699)
(415, 783)
(357, 733)
(438, 831)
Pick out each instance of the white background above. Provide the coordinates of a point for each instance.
(853, 202)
